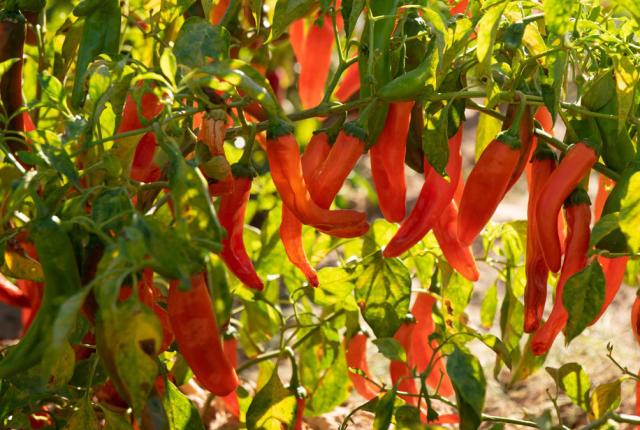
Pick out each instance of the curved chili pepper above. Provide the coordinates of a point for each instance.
(423, 349)
(543, 116)
(542, 164)
(387, 162)
(350, 83)
(614, 270)
(231, 215)
(142, 168)
(34, 292)
(218, 11)
(400, 371)
(527, 141)
(11, 294)
(635, 318)
(12, 37)
(435, 195)
(197, 336)
(212, 133)
(290, 228)
(296, 38)
(315, 64)
(231, 352)
(495, 170)
(604, 187)
(459, 257)
(461, 7)
(356, 356)
(286, 172)
(300, 404)
(577, 246)
(149, 295)
(578, 161)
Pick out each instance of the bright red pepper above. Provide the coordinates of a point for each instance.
(218, 11)
(290, 227)
(527, 142)
(286, 172)
(577, 163)
(231, 215)
(497, 169)
(387, 162)
(459, 256)
(635, 318)
(300, 404)
(400, 371)
(296, 38)
(12, 295)
(349, 84)
(614, 270)
(543, 116)
(149, 295)
(197, 336)
(316, 62)
(34, 291)
(423, 349)
(12, 38)
(605, 185)
(150, 107)
(231, 352)
(577, 246)
(142, 168)
(435, 195)
(356, 356)
(542, 164)
(460, 7)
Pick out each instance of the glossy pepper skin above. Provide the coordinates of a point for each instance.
(543, 116)
(300, 405)
(543, 164)
(423, 349)
(290, 227)
(435, 195)
(231, 215)
(387, 162)
(635, 318)
(400, 371)
(496, 170)
(231, 352)
(316, 62)
(459, 256)
(12, 37)
(614, 270)
(356, 356)
(286, 172)
(11, 295)
(197, 336)
(578, 215)
(578, 161)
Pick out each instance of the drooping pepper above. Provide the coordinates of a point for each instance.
(296, 38)
(286, 172)
(460, 7)
(578, 214)
(423, 349)
(614, 270)
(142, 167)
(11, 294)
(300, 405)
(387, 162)
(316, 62)
(635, 318)
(12, 36)
(231, 352)
(543, 164)
(231, 215)
(198, 338)
(604, 188)
(356, 356)
(526, 140)
(494, 171)
(218, 11)
(349, 84)
(435, 196)
(400, 371)
(543, 116)
(290, 227)
(460, 257)
(578, 161)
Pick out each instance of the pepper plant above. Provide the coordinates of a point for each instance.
(189, 226)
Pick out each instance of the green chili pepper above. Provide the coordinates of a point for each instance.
(62, 280)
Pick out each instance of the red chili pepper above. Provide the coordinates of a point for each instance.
(142, 168)
(635, 318)
(231, 352)
(423, 349)
(578, 161)
(495, 170)
(387, 162)
(435, 195)
(316, 62)
(34, 291)
(614, 270)
(197, 336)
(218, 11)
(300, 404)
(150, 107)
(286, 172)
(231, 215)
(297, 39)
(577, 246)
(400, 371)
(290, 228)
(356, 356)
(459, 256)
(638, 397)
(12, 37)
(527, 142)
(150, 296)
(349, 84)
(543, 116)
(542, 164)
(40, 420)
(461, 7)
(605, 185)
(82, 352)
(12, 295)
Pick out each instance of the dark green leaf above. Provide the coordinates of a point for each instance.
(583, 297)
(199, 42)
(605, 225)
(288, 11)
(384, 411)
(390, 348)
(83, 418)
(468, 381)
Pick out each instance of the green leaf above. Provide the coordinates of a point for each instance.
(487, 30)
(83, 418)
(114, 420)
(605, 397)
(287, 11)
(583, 297)
(573, 380)
(198, 42)
(552, 79)
(605, 225)
(384, 411)
(390, 348)
(627, 76)
(336, 288)
(382, 292)
(273, 407)
(489, 306)
(182, 414)
(435, 140)
(557, 15)
(351, 10)
(630, 212)
(469, 383)
(408, 418)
